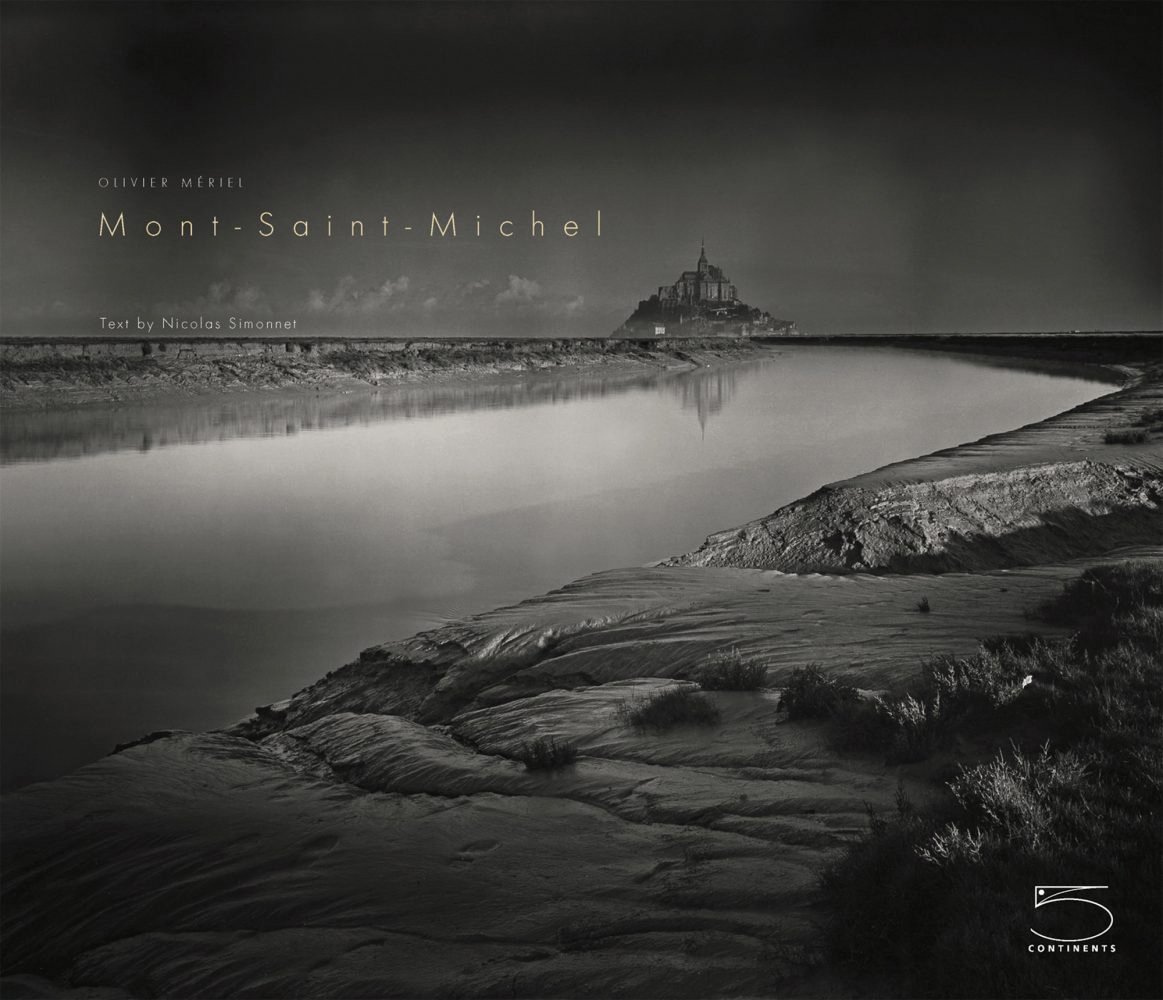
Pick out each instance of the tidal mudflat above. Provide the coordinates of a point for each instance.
(172, 565)
(382, 831)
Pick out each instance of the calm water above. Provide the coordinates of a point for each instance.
(172, 566)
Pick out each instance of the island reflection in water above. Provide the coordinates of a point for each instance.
(180, 586)
(36, 435)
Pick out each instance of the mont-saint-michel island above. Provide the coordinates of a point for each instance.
(702, 302)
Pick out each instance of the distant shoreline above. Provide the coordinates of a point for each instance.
(1077, 337)
(57, 373)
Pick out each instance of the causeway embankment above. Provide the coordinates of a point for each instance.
(68, 372)
(53, 374)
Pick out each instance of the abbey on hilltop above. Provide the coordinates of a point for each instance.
(702, 303)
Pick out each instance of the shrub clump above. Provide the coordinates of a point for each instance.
(547, 753)
(953, 692)
(906, 729)
(673, 707)
(1111, 604)
(927, 894)
(992, 677)
(1128, 435)
(811, 694)
(730, 672)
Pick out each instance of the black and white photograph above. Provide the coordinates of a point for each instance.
(560, 499)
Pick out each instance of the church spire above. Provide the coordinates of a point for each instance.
(702, 265)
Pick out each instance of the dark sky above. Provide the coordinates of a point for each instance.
(856, 167)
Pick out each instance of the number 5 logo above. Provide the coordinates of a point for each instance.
(1045, 895)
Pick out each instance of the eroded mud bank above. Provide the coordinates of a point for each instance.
(1055, 490)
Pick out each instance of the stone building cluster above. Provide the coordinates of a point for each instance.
(702, 303)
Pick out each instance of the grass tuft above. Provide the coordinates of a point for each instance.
(547, 753)
(811, 694)
(673, 707)
(730, 672)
